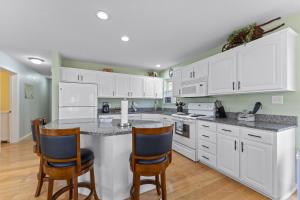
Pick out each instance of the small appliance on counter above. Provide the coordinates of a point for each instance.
(105, 107)
(220, 111)
(249, 116)
(179, 105)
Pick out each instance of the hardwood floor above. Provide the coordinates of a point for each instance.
(186, 180)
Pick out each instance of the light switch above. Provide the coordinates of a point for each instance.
(277, 99)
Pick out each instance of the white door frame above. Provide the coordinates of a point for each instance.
(14, 116)
(15, 109)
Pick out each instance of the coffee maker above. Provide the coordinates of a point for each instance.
(105, 107)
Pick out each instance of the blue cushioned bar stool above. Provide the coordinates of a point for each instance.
(35, 131)
(64, 160)
(151, 155)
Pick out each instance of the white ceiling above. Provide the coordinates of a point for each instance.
(161, 31)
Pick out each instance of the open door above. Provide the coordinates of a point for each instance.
(9, 120)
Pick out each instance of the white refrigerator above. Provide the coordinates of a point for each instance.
(77, 100)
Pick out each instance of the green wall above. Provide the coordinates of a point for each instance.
(236, 103)
(56, 63)
(99, 67)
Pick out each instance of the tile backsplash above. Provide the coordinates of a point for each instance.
(140, 103)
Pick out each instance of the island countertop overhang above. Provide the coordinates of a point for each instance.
(98, 128)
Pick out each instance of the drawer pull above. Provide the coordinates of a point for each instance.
(205, 136)
(223, 129)
(205, 126)
(242, 146)
(235, 145)
(257, 136)
(205, 157)
(205, 146)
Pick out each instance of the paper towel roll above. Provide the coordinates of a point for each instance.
(124, 112)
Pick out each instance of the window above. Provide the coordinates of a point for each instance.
(168, 92)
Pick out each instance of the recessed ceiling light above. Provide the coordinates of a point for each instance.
(125, 38)
(102, 15)
(158, 65)
(36, 61)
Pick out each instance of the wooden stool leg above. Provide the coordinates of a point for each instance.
(163, 185)
(50, 189)
(157, 184)
(75, 188)
(136, 185)
(40, 178)
(93, 184)
(70, 183)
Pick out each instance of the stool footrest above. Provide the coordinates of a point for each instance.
(69, 187)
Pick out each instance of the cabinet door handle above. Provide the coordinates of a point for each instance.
(235, 145)
(81, 78)
(206, 147)
(257, 136)
(242, 146)
(205, 126)
(233, 88)
(239, 85)
(223, 129)
(113, 93)
(179, 91)
(205, 157)
(205, 136)
(128, 93)
(78, 77)
(193, 74)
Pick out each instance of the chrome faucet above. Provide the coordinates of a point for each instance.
(133, 107)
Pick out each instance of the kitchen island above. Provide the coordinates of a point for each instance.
(111, 145)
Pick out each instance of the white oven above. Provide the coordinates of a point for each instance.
(184, 137)
(194, 90)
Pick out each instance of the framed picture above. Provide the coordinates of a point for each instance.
(28, 91)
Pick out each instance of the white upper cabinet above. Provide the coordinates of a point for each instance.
(158, 88)
(187, 73)
(77, 75)
(148, 87)
(222, 73)
(264, 65)
(123, 85)
(176, 81)
(106, 84)
(201, 70)
(195, 72)
(137, 86)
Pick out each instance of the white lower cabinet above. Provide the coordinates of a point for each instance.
(228, 155)
(262, 160)
(256, 165)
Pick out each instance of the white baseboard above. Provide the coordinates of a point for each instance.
(24, 137)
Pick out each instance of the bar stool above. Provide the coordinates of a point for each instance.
(151, 155)
(64, 160)
(35, 131)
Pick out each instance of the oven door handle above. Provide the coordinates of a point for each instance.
(179, 132)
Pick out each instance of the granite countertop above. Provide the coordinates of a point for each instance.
(262, 125)
(97, 128)
(162, 112)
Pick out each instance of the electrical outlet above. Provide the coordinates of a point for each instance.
(277, 100)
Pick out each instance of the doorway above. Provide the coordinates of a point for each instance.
(9, 120)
